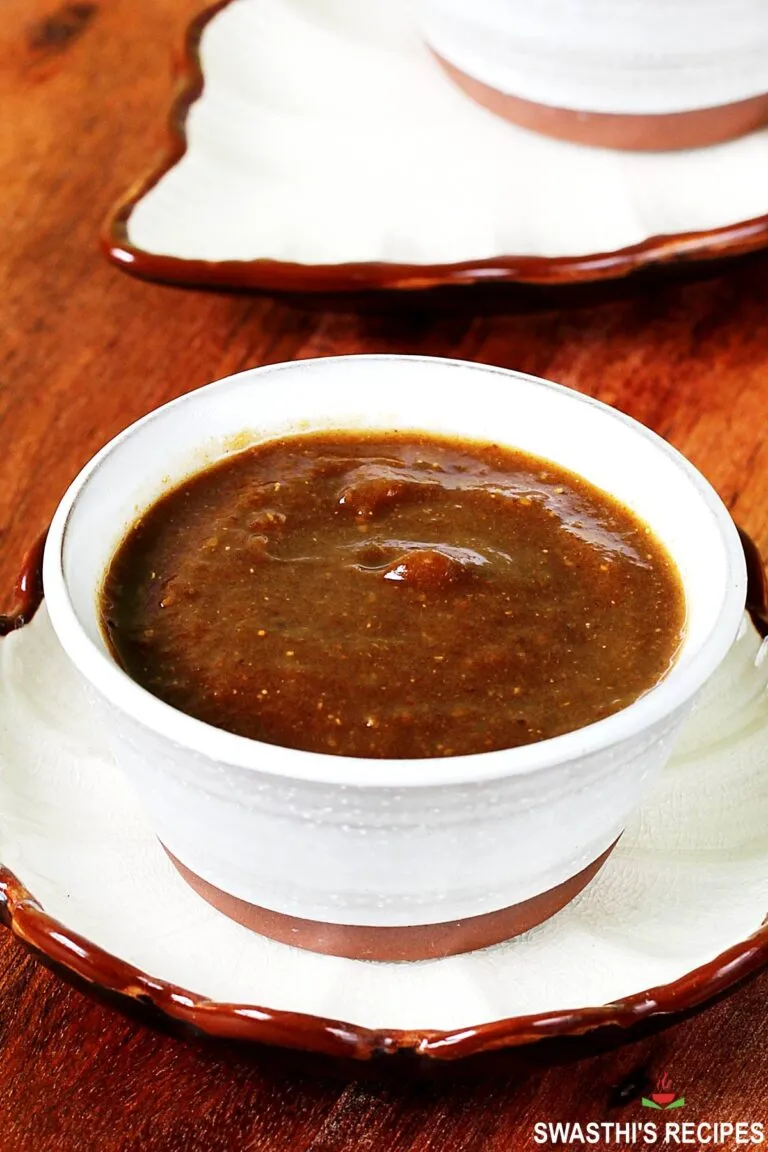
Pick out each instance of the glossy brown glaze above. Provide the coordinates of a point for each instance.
(737, 238)
(85, 964)
(660, 133)
(28, 593)
(417, 942)
(757, 584)
(79, 959)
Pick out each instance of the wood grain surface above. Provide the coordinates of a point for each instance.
(85, 350)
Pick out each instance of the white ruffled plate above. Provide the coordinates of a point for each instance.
(328, 150)
(678, 909)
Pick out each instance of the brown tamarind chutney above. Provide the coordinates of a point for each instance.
(392, 595)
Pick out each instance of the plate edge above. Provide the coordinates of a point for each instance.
(82, 962)
(729, 240)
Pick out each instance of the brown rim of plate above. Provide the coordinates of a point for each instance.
(729, 240)
(85, 963)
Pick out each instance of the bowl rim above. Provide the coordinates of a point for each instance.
(103, 673)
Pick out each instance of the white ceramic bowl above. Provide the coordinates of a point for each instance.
(388, 844)
(604, 71)
(636, 56)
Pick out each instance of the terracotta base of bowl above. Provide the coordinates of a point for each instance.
(636, 133)
(419, 942)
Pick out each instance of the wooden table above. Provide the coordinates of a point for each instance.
(84, 351)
